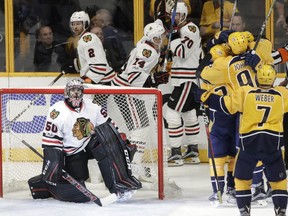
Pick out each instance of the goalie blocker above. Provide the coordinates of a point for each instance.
(113, 155)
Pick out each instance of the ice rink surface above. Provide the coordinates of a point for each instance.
(192, 200)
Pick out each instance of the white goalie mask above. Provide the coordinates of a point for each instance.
(80, 16)
(73, 92)
(154, 31)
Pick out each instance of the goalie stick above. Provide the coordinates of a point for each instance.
(221, 14)
(93, 198)
(36, 98)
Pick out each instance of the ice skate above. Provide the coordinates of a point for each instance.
(214, 199)
(231, 195)
(123, 196)
(245, 211)
(259, 195)
(175, 158)
(280, 212)
(191, 154)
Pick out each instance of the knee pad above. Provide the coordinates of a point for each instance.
(173, 118)
(190, 117)
(38, 188)
(219, 163)
(280, 185)
(242, 185)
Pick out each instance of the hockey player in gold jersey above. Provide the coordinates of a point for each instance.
(222, 135)
(260, 135)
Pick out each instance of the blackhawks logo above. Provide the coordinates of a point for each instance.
(54, 114)
(82, 128)
(192, 28)
(147, 53)
(87, 38)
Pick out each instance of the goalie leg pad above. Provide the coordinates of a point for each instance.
(38, 188)
(113, 159)
(68, 193)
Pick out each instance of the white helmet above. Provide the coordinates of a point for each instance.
(182, 9)
(153, 30)
(75, 96)
(81, 16)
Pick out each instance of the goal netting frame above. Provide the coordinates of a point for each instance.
(25, 108)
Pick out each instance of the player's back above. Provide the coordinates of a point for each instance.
(261, 116)
(240, 74)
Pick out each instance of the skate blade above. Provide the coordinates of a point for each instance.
(259, 203)
(175, 163)
(195, 160)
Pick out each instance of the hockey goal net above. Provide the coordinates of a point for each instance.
(137, 112)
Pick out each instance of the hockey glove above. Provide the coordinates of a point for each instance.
(219, 38)
(253, 60)
(160, 78)
(68, 69)
(175, 35)
(223, 36)
(201, 95)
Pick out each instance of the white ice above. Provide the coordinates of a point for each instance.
(193, 200)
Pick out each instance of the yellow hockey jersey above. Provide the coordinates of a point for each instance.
(261, 115)
(232, 70)
(260, 109)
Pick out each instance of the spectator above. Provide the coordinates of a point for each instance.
(49, 55)
(112, 39)
(210, 18)
(238, 22)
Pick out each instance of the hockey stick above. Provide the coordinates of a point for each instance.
(263, 27)
(206, 123)
(233, 14)
(170, 36)
(36, 98)
(221, 14)
(93, 198)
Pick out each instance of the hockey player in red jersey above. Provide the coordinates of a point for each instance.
(91, 63)
(72, 135)
(260, 135)
(181, 113)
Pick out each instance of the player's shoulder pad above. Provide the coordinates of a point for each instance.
(145, 51)
(189, 30)
(89, 37)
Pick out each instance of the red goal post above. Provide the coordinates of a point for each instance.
(21, 106)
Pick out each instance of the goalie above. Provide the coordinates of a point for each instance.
(77, 130)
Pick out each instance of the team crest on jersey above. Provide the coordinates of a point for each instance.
(82, 128)
(192, 28)
(87, 38)
(54, 114)
(146, 53)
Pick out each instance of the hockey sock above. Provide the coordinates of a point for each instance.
(230, 179)
(258, 175)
